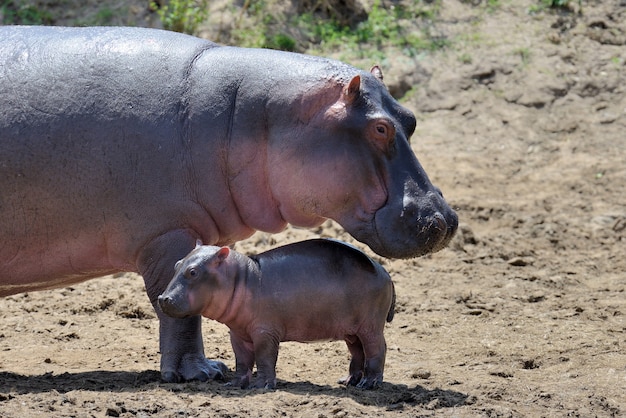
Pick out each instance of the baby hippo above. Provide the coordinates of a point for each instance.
(308, 291)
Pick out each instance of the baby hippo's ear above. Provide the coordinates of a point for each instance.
(177, 265)
(222, 254)
(198, 243)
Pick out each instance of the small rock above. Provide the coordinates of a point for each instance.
(112, 412)
(421, 374)
(518, 262)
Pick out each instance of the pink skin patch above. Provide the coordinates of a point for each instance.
(191, 297)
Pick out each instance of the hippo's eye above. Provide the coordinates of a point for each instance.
(383, 134)
(192, 273)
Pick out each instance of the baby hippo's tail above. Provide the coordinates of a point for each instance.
(392, 309)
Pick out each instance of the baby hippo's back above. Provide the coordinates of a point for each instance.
(321, 289)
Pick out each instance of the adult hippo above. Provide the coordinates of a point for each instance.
(120, 147)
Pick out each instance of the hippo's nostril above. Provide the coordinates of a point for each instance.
(164, 301)
(441, 222)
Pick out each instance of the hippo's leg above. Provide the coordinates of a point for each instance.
(244, 360)
(266, 355)
(355, 372)
(375, 350)
(180, 340)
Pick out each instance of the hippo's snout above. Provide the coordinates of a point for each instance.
(418, 226)
(434, 215)
(170, 307)
(436, 228)
(432, 231)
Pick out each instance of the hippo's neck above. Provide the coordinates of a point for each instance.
(235, 310)
(254, 95)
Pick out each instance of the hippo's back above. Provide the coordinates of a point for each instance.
(48, 73)
(320, 289)
(318, 261)
(88, 116)
(333, 254)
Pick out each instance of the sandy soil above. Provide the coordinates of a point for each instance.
(523, 126)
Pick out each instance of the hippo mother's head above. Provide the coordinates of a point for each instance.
(352, 162)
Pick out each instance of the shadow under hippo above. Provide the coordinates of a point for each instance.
(120, 147)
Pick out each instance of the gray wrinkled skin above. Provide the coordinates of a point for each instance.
(119, 147)
(307, 291)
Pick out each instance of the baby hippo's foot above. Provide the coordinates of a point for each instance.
(265, 383)
(361, 381)
(370, 383)
(351, 380)
(241, 381)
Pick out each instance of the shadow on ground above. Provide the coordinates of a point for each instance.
(388, 395)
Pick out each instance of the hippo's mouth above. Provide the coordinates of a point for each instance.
(429, 235)
(416, 227)
(170, 308)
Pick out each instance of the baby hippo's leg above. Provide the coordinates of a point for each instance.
(355, 373)
(375, 350)
(244, 360)
(266, 354)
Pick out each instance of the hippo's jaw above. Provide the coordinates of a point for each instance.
(170, 307)
(423, 225)
(418, 227)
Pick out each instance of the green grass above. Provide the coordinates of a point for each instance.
(465, 58)
(543, 5)
(407, 28)
(182, 15)
(18, 12)
(524, 54)
(493, 5)
(104, 15)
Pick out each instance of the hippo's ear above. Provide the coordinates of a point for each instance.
(198, 243)
(352, 90)
(222, 254)
(377, 72)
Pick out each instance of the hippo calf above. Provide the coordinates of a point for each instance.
(308, 291)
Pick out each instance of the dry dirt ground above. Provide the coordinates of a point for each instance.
(522, 123)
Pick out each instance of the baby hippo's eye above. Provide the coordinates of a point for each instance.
(191, 273)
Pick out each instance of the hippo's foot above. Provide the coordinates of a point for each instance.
(351, 380)
(241, 381)
(361, 381)
(265, 384)
(195, 368)
(367, 383)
